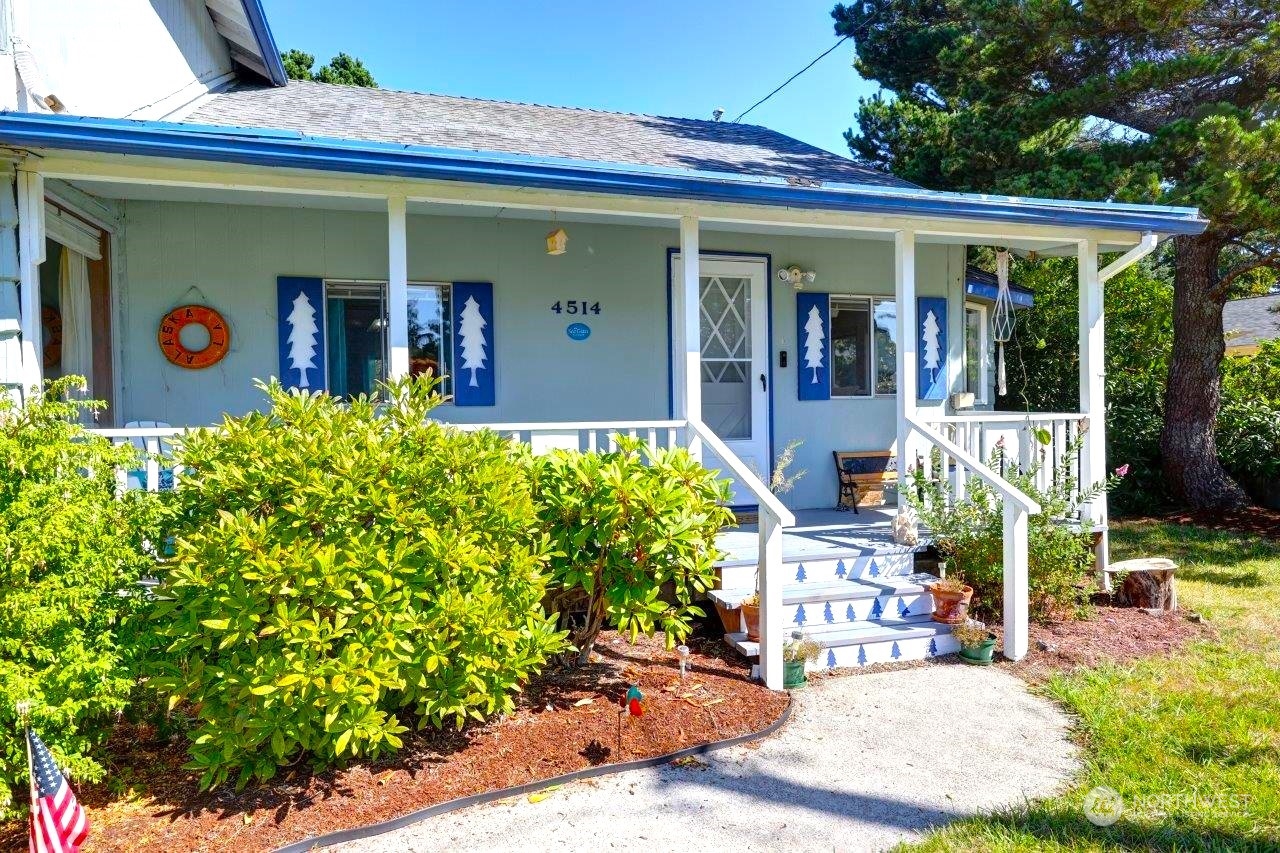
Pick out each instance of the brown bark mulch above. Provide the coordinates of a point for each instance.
(566, 720)
(1255, 520)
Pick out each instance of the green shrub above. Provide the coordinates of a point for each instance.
(1248, 427)
(68, 549)
(633, 535)
(339, 562)
(970, 535)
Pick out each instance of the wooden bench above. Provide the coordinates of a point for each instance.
(864, 477)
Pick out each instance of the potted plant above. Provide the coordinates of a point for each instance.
(950, 600)
(751, 616)
(796, 652)
(977, 643)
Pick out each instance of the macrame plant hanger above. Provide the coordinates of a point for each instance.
(1002, 322)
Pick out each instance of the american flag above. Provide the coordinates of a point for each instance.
(58, 822)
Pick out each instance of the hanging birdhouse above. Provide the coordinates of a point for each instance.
(557, 242)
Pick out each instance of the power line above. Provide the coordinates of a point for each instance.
(816, 60)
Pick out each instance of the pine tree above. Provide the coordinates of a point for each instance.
(827, 614)
(932, 356)
(471, 333)
(814, 335)
(303, 338)
(800, 617)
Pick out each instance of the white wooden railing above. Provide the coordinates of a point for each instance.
(158, 472)
(1018, 508)
(1023, 439)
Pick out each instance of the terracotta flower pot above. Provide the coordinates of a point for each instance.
(751, 618)
(730, 618)
(982, 653)
(950, 608)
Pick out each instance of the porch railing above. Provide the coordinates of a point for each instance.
(158, 472)
(1044, 437)
(1018, 508)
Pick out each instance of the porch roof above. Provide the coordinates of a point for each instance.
(296, 150)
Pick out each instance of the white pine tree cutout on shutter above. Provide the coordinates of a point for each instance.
(302, 338)
(471, 333)
(932, 355)
(813, 346)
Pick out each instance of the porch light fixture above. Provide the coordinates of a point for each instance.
(557, 242)
(797, 277)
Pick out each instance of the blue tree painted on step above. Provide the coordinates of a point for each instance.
(862, 656)
(801, 576)
(827, 615)
(874, 570)
(895, 652)
(840, 569)
(799, 620)
(831, 659)
(933, 647)
(849, 614)
(903, 610)
(876, 610)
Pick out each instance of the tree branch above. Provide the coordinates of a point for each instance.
(1224, 284)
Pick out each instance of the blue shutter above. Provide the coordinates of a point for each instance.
(473, 344)
(300, 325)
(931, 347)
(813, 346)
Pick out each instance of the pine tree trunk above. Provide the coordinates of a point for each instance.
(1191, 466)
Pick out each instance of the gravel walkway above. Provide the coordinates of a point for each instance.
(865, 762)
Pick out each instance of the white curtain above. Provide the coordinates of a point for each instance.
(77, 338)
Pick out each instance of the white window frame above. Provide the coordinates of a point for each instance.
(385, 297)
(871, 301)
(981, 395)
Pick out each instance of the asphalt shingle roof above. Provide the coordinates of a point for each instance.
(410, 118)
(1247, 322)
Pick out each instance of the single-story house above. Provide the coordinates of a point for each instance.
(575, 273)
(1248, 322)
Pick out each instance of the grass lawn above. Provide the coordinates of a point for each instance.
(1190, 742)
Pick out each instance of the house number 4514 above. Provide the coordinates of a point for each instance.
(575, 306)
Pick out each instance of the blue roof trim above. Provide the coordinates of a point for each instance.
(286, 149)
(266, 42)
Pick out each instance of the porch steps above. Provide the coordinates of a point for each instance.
(857, 622)
(830, 566)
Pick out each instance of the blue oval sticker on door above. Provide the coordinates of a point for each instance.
(578, 331)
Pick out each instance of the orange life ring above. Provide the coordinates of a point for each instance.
(170, 336)
(51, 320)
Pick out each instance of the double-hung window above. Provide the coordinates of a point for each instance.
(356, 320)
(863, 346)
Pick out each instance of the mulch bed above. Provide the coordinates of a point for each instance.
(1255, 520)
(566, 721)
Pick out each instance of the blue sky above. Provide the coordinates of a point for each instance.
(661, 57)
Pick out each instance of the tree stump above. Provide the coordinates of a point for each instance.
(1147, 583)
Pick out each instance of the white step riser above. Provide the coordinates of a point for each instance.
(885, 651)
(872, 567)
(851, 612)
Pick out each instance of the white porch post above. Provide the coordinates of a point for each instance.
(904, 294)
(687, 371)
(1093, 462)
(769, 588)
(397, 288)
(30, 186)
(1016, 606)
(11, 368)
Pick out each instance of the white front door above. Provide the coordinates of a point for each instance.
(733, 309)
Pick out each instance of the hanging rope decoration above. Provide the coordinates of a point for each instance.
(1002, 322)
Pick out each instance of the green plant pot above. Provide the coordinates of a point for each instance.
(980, 655)
(793, 674)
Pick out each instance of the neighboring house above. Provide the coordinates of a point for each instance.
(1246, 323)
(334, 237)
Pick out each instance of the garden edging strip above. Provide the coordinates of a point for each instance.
(342, 836)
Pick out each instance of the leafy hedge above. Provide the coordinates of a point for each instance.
(337, 563)
(634, 537)
(68, 549)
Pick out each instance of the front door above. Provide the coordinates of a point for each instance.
(733, 308)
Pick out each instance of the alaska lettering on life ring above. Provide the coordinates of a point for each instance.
(170, 336)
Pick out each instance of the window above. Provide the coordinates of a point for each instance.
(975, 351)
(356, 319)
(863, 346)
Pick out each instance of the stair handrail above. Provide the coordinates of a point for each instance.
(743, 474)
(964, 457)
